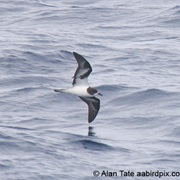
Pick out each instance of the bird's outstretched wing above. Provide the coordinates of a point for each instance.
(82, 72)
(93, 107)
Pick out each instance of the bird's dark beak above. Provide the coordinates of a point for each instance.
(100, 94)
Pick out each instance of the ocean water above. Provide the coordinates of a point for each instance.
(134, 49)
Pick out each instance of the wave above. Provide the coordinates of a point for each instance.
(150, 95)
(113, 87)
(175, 10)
(175, 132)
(170, 17)
(110, 91)
(94, 145)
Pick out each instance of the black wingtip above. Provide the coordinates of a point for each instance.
(77, 56)
(90, 120)
(75, 53)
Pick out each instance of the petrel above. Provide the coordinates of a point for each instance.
(81, 87)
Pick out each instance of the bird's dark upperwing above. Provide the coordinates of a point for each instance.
(93, 107)
(83, 70)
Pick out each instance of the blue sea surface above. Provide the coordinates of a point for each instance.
(134, 50)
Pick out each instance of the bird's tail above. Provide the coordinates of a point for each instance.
(60, 90)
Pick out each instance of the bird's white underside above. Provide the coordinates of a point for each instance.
(78, 90)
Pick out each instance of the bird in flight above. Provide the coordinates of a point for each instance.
(81, 87)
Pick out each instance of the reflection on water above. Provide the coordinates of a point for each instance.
(91, 131)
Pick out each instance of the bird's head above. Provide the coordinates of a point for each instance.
(93, 91)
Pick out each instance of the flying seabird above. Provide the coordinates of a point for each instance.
(81, 87)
